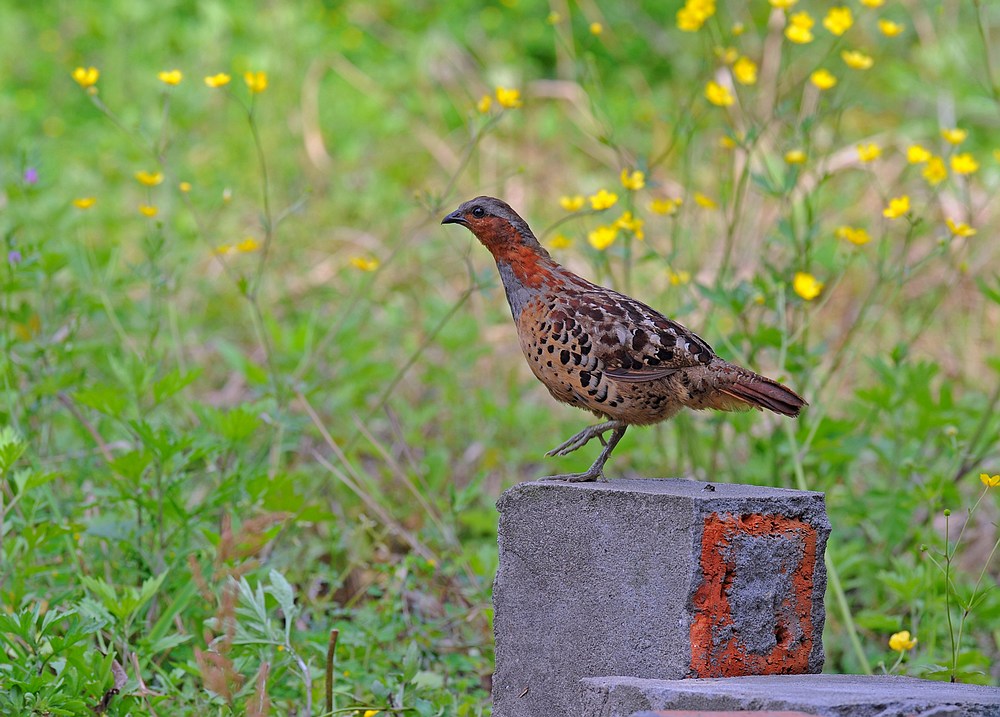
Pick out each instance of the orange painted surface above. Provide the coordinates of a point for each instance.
(729, 658)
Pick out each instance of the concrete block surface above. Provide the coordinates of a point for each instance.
(663, 578)
(821, 695)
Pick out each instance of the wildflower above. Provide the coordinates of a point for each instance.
(664, 206)
(484, 104)
(218, 80)
(806, 285)
(738, 29)
(869, 152)
(554, 18)
(370, 713)
(898, 206)
(901, 641)
(256, 81)
(508, 98)
(678, 278)
(727, 142)
(148, 210)
(30, 176)
(250, 244)
(693, 15)
(184, 187)
(364, 264)
(954, 135)
(996, 154)
(560, 241)
(857, 60)
(745, 71)
(603, 237)
(964, 163)
(915, 154)
(572, 204)
(633, 180)
(705, 201)
(838, 20)
(873, 3)
(149, 179)
(596, 28)
(795, 156)
(223, 249)
(935, 171)
(631, 224)
(718, 95)
(989, 481)
(855, 235)
(960, 229)
(86, 76)
(889, 28)
(603, 200)
(14, 257)
(728, 55)
(823, 79)
(799, 29)
(782, 4)
(170, 77)
(84, 202)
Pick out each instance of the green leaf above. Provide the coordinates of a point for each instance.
(428, 680)
(411, 661)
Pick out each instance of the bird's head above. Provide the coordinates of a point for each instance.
(496, 225)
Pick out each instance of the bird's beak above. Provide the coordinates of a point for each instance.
(455, 218)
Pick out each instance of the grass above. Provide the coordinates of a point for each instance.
(215, 459)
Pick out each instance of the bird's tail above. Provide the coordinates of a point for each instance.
(762, 392)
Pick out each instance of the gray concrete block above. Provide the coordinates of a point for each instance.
(822, 695)
(652, 578)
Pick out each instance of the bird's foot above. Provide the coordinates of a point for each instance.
(580, 440)
(588, 476)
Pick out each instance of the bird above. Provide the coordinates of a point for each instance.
(605, 352)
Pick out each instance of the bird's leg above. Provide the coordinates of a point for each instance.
(596, 471)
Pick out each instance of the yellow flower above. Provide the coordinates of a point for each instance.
(996, 154)
(964, 163)
(596, 28)
(745, 71)
(855, 235)
(960, 229)
(889, 28)
(738, 29)
(633, 180)
(989, 481)
(727, 55)
(560, 241)
(603, 237)
(603, 200)
(954, 135)
(149, 179)
(553, 18)
(664, 206)
(86, 76)
(219, 80)
(727, 142)
(224, 249)
(370, 713)
(705, 201)
(184, 187)
(572, 204)
(838, 20)
(873, 3)
(718, 95)
(249, 244)
(795, 156)
(148, 210)
(869, 152)
(783, 4)
(915, 154)
(484, 104)
(806, 285)
(364, 264)
(693, 15)
(84, 202)
(509, 98)
(631, 224)
(901, 641)
(170, 77)
(799, 29)
(678, 278)
(823, 79)
(857, 60)
(935, 171)
(256, 81)
(898, 206)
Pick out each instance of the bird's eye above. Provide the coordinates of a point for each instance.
(479, 212)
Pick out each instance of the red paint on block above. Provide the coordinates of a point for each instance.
(716, 650)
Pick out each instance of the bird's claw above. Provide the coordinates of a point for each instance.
(583, 438)
(585, 477)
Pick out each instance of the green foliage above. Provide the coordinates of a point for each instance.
(284, 402)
